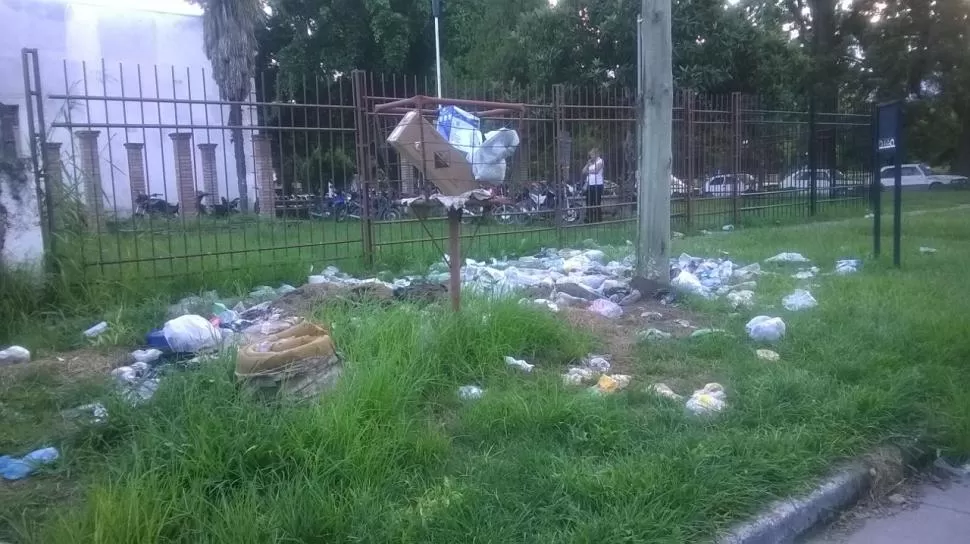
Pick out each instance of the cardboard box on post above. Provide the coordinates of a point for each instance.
(441, 164)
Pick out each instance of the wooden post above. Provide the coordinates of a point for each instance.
(656, 126)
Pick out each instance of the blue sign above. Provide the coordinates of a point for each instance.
(888, 122)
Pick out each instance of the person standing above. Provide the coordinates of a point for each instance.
(594, 185)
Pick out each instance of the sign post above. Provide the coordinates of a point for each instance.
(889, 151)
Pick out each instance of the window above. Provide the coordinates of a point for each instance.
(9, 129)
(910, 171)
(889, 172)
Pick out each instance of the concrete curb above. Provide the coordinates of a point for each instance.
(788, 519)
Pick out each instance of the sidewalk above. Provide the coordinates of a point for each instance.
(937, 515)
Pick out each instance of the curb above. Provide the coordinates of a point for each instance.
(788, 519)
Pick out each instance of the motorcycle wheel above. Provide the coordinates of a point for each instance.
(507, 214)
(571, 216)
(391, 214)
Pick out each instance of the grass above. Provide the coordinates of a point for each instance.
(393, 455)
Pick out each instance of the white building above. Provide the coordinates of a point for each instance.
(124, 50)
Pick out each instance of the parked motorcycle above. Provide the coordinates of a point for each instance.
(225, 208)
(154, 205)
(542, 202)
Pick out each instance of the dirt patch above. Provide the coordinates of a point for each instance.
(305, 300)
(619, 336)
(82, 363)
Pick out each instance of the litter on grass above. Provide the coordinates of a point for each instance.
(787, 257)
(96, 330)
(18, 468)
(652, 316)
(665, 391)
(767, 355)
(470, 392)
(765, 329)
(14, 355)
(806, 273)
(578, 376)
(845, 267)
(799, 299)
(925, 249)
(741, 299)
(518, 363)
(611, 383)
(706, 332)
(708, 400)
(651, 335)
(597, 363)
(606, 308)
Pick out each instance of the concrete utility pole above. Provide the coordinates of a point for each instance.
(655, 119)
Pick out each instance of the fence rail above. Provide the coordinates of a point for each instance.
(147, 172)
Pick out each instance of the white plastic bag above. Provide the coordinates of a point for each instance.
(606, 308)
(460, 128)
(191, 334)
(787, 257)
(14, 355)
(741, 299)
(519, 363)
(799, 299)
(845, 267)
(707, 400)
(688, 283)
(765, 329)
(488, 159)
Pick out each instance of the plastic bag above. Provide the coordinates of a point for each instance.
(799, 299)
(191, 333)
(17, 469)
(665, 391)
(606, 308)
(688, 283)
(845, 267)
(488, 160)
(14, 355)
(460, 128)
(787, 257)
(598, 364)
(470, 392)
(768, 355)
(765, 329)
(653, 334)
(741, 299)
(707, 400)
(577, 375)
(519, 363)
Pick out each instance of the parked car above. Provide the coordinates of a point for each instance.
(724, 184)
(678, 187)
(833, 183)
(914, 175)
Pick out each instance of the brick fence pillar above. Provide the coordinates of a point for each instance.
(90, 167)
(136, 171)
(210, 176)
(184, 173)
(265, 186)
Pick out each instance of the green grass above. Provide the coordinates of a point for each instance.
(393, 456)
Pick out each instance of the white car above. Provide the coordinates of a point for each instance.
(833, 182)
(918, 175)
(723, 184)
(678, 187)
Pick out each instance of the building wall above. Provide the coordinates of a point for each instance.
(121, 49)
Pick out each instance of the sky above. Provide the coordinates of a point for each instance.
(164, 6)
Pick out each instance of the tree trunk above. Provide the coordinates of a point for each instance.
(239, 150)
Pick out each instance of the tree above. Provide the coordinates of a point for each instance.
(921, 51)
(230, 28)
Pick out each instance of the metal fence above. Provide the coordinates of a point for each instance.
(149, 173)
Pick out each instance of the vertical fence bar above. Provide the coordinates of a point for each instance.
(363, 163)
(690, 99)
(812, 154)
(736, 158)
(561, 175)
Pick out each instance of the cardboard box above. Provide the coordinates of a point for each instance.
(443, 165)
